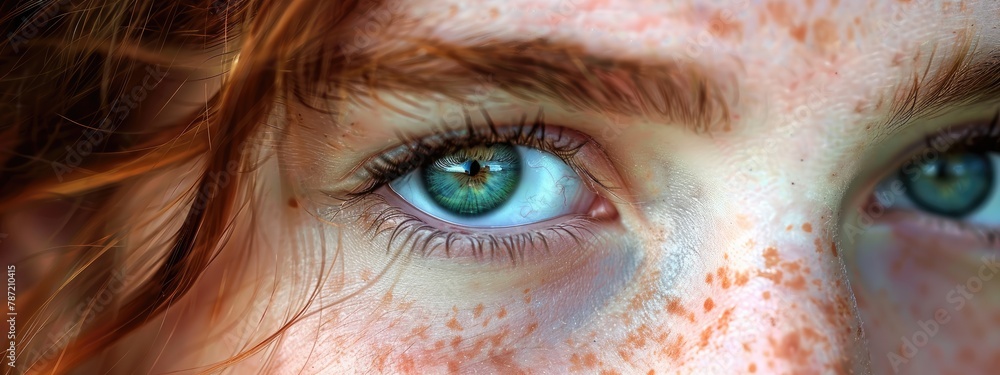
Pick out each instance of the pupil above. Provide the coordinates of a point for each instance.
(473, 168)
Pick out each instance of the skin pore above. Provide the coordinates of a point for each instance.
(739, 244)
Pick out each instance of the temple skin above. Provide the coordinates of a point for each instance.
(727, 254)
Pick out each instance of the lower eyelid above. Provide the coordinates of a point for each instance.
(425, 236)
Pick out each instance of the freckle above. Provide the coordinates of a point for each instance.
(502, 313)
(788, 228)
(709, 304)
(494, 13)
(779, 12)
(674, 351)
(766, 294)
(791, 348)
(774, 276)
(770, 257)
(825, 33)
(407, 365)
(705, 336)
(453, 367)
(798, 33)
(478, 310)
(456, 341)
(752, 368)
(454, 325)
(651, 372)
(439, 344)
(708, 278)
(590, 360)
(807, 227)
(293, 203)
(746, 347)
(531, 328)
(798, 283)
(625, 355)
(722, 27)
(574, 359)
(674, 307)
(833, 249)
(742, 278)
(723, 277)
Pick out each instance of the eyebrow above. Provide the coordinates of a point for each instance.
(960, 79)
(675, 91)
(670, 90)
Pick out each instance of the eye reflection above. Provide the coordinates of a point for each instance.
(492, 186)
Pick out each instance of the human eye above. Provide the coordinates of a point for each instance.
(495, 192)
(951, 179)
(923, 260)
(494, 185)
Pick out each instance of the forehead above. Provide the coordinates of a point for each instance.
(748, 27)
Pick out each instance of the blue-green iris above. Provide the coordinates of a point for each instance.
(475, 180)
(953, 185)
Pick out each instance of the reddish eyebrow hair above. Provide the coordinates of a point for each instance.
(674, 91)
(962, 78)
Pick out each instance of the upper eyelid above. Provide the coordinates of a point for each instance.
(384, 166)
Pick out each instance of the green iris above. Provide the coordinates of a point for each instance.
(475, 180)
(953, 185)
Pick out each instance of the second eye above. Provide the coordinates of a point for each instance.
(495, 185)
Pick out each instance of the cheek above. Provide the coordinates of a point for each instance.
(412, 320)
(928, 299)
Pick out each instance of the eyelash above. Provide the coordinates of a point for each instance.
(381, 217)
(419, 153)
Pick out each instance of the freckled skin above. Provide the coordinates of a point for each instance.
(755, 284)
